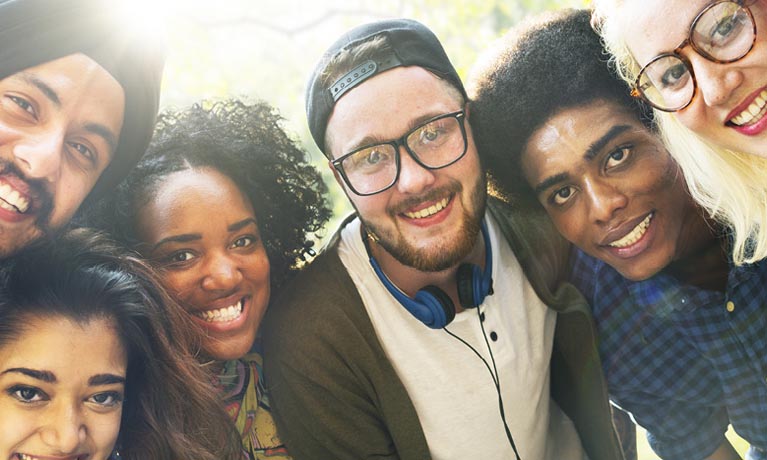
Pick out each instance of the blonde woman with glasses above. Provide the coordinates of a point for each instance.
(703, 66)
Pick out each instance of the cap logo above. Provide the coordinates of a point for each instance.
(360, 73)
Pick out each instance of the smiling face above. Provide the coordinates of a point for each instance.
(429, 219)
(202, 232)
(59, 405)
(59, 125)
(610, 188)
(729, 107)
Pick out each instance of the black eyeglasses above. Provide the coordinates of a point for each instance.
(722, 32)
(437, 143)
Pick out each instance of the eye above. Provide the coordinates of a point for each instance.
(726, 29)
(374, 157)
(618, 156)
(675, 76)
(430, 135)
(244, 242)
(369, 160)
(23, 104)
(83, 150)
(178, 258)
(27, 394)
(106, 399)
(561, 195)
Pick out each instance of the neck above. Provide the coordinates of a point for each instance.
(703, 261)
(409, 280)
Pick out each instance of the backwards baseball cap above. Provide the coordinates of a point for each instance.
(411, 44)
(33, 32)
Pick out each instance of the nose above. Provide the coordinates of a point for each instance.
(222, 273)
(716, 82)
(39, 155)
(413, 178)
(604, 200)
(66, 429)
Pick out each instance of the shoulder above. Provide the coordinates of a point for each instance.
(540, 249)
(318, 312)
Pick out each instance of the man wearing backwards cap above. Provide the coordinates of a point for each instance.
(78, 99)
(354, 370)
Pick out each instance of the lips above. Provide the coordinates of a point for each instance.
(634, 235)
(428, 211)
(754, 112)
(224, 314)
(11, 199)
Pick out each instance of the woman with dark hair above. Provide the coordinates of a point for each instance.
(93, 361)
(223, 204)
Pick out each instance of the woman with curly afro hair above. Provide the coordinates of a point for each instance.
(223, 205)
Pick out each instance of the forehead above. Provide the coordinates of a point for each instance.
(72, 77)
(563, 140)
(187, 198)
(96, 337)
(385, 106)
(652, 27)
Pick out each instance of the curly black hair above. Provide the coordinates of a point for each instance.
(246, 143)
(549, 63)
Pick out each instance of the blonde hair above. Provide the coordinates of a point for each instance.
(731, 186)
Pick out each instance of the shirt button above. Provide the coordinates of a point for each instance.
(493, 336)
(730, 306)
(482, 316)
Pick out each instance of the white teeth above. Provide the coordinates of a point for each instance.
(634, 235)
(430, 211)
(11, 199)
(221, 315)
(26, 457)
(754, 112)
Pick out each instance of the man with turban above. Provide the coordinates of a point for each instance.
(79, 93)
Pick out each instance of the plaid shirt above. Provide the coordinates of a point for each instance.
(684, 361)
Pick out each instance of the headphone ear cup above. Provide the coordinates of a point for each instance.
(469, 282)
(438, 304)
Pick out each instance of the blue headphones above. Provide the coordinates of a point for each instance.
(431, 305)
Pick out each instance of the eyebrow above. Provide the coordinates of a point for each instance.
(103, 132)
(589, 155)
(600, 143)
(45, 376)
(185, 238)
(105, 379)
(242, 224)
(549, 181)
(49, 92)
(413, 124)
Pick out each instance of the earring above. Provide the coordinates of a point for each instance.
(115, 455)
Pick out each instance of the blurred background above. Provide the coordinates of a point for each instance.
(266, 49)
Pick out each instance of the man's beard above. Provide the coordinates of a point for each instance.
(450, 253)
(42, 206)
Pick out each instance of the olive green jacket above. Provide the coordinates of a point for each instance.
(336, 395)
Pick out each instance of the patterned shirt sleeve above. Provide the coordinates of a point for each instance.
(669, 431)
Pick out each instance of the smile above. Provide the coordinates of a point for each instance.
(12, 200)
(753, 113)
(430, 211)
(222, 315)
(634, 235)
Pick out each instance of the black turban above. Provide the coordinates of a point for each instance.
(36, 31)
